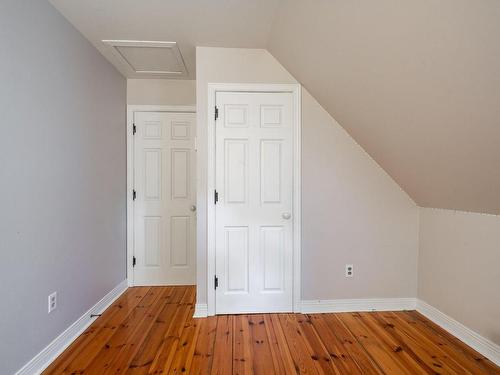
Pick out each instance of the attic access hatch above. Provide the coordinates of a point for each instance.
(144, 59)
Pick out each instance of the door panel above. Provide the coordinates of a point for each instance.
(164, 179)
(236, 170)
(254, 169)
(237, 267)
(273, 258)
(179, 241)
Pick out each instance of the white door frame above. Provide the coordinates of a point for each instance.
(295, 90)
(131, 109)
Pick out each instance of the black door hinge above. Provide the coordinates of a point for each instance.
(216, 282)
(216, 197)
(134, 194)
(134, 261)
(134, 129)
(216, 112)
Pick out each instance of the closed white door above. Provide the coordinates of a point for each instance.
(254, 218)
(165, 193)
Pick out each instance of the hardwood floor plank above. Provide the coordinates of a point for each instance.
(261, 348)
(320, 353)
(302, 353)
(134, 343)
(381, 353)
(282, 359)
(351, 345)
(151, 330)
(164, 323)
(165, 355)
(185, 348)
(119, 341)
(338, 354)
(453, 347)
(146, 354)
(404, 352)
(242, 346)
(223, 353)
(425, 350)
(204, 351)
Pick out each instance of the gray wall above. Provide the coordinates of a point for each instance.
(62, 177)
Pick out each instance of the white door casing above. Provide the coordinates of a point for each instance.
(164, 180)
(254, 215)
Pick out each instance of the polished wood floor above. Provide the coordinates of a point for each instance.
(151, 331)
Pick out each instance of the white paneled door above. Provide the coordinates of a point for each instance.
(254, 218)
(165, 196)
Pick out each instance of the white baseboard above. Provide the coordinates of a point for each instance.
(200, 310)
(43, 359)
(477, 342)
(353, 305)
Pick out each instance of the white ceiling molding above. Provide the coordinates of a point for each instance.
(148, 59)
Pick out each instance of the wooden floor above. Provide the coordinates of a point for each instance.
(151, 331)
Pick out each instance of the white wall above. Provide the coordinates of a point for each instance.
(352, 210)
(62, 177)
(161, 92)
(459, 270)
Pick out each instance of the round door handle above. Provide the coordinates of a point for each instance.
(286, 215)
(193, 208)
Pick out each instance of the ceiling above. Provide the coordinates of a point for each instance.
(416, 83)
(190, 23)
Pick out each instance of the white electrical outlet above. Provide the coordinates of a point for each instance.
(349, 270)
(52, 302)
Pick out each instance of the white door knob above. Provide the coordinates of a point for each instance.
(286, 215)
(193, 208)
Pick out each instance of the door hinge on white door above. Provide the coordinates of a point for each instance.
(216, 197)
(134, 194)
(216, 282)
(216, 112)
(134, 129)
(134, 261)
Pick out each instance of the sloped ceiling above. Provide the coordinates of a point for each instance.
(190, 23)
(416, 83)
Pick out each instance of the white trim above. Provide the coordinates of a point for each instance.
(200, 310)
(131, 109)
(297, 200)
(295, 89)
(43, 359)
(477, 342)
(354, 305)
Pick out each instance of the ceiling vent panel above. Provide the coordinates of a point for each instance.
(149, 59)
